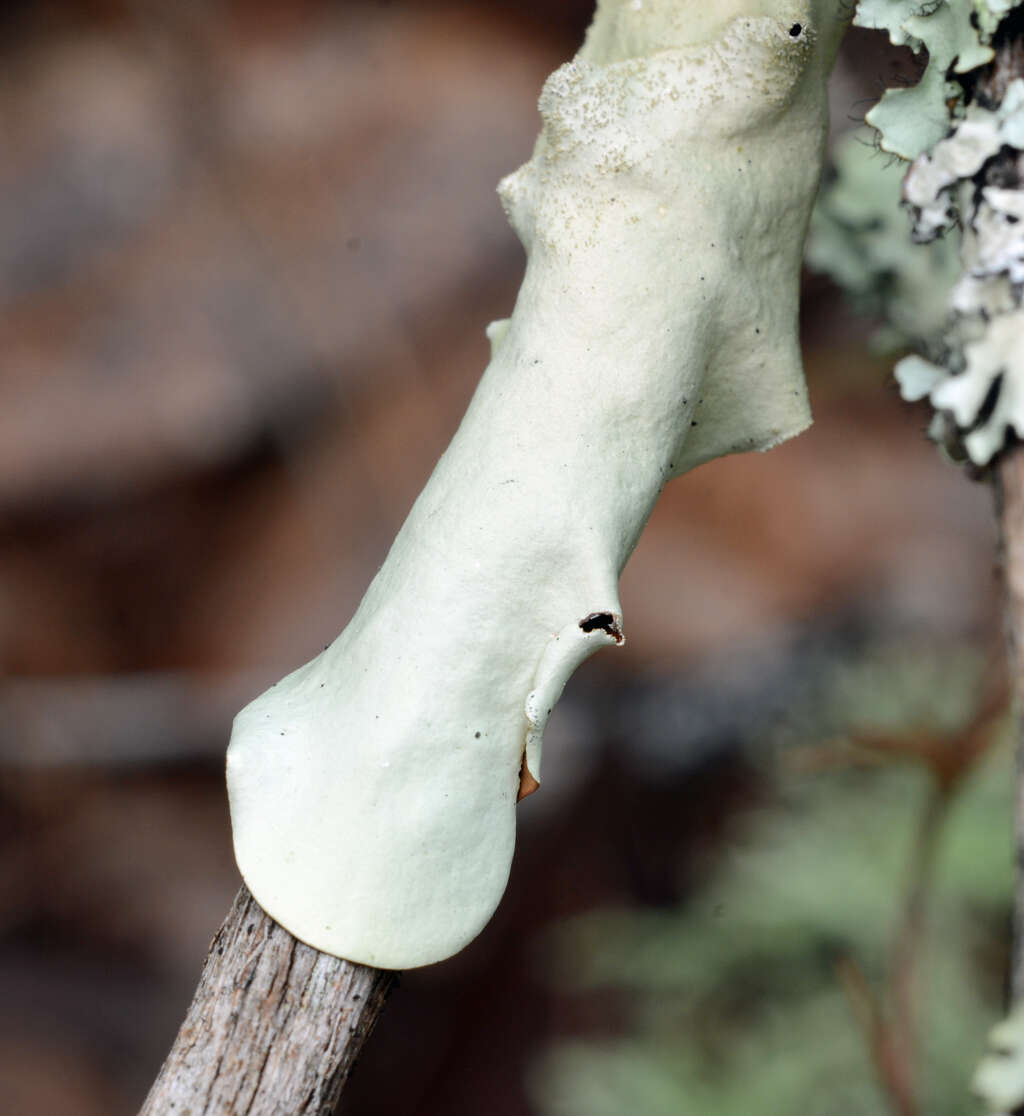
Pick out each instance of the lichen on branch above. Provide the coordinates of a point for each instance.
(663, 214)
(965, 137)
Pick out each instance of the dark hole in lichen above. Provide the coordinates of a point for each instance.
(603, 621)
(988, 407)
(794, 31)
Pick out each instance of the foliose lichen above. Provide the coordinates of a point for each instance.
(999, 1080)
(859, 238)
(963, 317)
(956, 35)
(663, 215)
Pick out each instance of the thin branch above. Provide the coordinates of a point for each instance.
(1010, 508)
(909, 946)
(867, 1010)
(274, 1029)
(890, 1028)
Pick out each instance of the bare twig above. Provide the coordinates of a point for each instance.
(1007, 170)
(891, 1027)
(909, 947)
(1010, 504)
(274, 1029)
(889, 1019)
(867, 1010)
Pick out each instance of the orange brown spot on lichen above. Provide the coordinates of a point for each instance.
(527, 783)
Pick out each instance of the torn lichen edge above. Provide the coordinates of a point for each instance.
(559, 660)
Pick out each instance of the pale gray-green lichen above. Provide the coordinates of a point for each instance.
(859, 238)
(999, 1080)
(956, 34)
(986, 399)
(663, 215)
(964, 318)
(931, 181)
(980, 391)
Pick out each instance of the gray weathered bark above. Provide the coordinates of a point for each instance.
(274, 1029)
(1006, 170)
(1011, 524)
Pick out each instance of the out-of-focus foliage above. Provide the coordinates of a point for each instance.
(737, 1001)
(860, 237)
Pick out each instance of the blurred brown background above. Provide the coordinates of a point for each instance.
(247, 254)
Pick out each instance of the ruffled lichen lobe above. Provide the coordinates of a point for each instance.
(955, 294)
